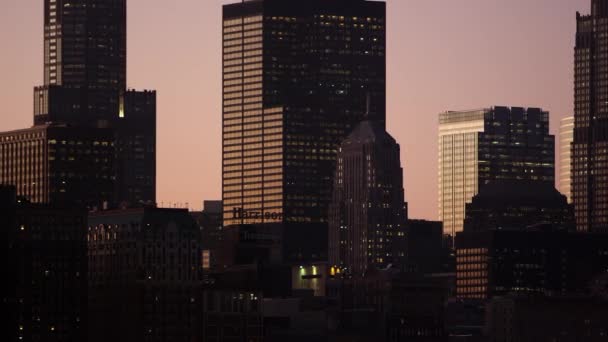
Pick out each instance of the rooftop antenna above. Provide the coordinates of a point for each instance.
(368, 105)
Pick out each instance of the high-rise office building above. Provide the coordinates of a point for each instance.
(85, 61)
(368, 211)
(477, 147)
(60, 164)
(295, 79)
(566, 138)
(84, 96)
(590, 147)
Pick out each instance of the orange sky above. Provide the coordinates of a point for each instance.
(442, 55)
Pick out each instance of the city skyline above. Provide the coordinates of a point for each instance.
(419, 83)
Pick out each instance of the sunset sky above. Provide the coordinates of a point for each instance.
(442, 55)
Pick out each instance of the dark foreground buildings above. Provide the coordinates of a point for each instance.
(82, 113)
(43, 251)
(295, 79)
(144, 276)
(590, 147)
(368, 212)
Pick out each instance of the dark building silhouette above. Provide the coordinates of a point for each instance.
(368, 211)
(425, 252)
(545, 319)
(511, 204)
(59, 164)
(44, 254)
(211, 226)
(85, 62)
(481, 146)
(144, 275)
(589, 154)
(295, 76)
(85, 97)
(542, 261)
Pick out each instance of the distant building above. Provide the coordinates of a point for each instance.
(144, 275)
(566, 138)
(44, 253)
(589, 149)
(59, 164)
(508, 204)
(546, 319)
(424, 248)
(210, 224)
(368, 210)
(498, 262)
(477, 147)
(294, 86)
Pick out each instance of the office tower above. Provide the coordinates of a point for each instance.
(477, 147)
(508, 204)
(534, 261)
(424, 248)
(210, 224)
(85, 61)
(566, 138)
(368, 211)
(295, 77)
(60, 164)
(590, 147)
(85, 97)
(44, 253)
(144, 275)
(135, 140)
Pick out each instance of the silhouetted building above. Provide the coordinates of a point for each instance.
(135, 143)
(295, 76)
(425, 252)
(85, 62)
(84, 97)
(211, 226)
(547, 319)
(368, 211)
(589, 152)
(566, 138)
(388, 305)
(144, 275)
(59, 164)
(499, 262)
(44, 253)
(509, 204)
(477, 147)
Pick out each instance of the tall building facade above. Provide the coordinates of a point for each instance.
(368, 211)
(566, 138)
(477, 147)
(84, 96)
(295, 76)
(590, 147)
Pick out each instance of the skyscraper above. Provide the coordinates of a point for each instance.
(295, 76)
(590, 147)
(83, 110)
(368, 211)
(477, 147)
(566, 137)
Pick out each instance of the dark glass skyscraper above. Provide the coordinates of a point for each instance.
(85, 60)
(94, 141)
(295, 79)
(368, 212)
(590, 147)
